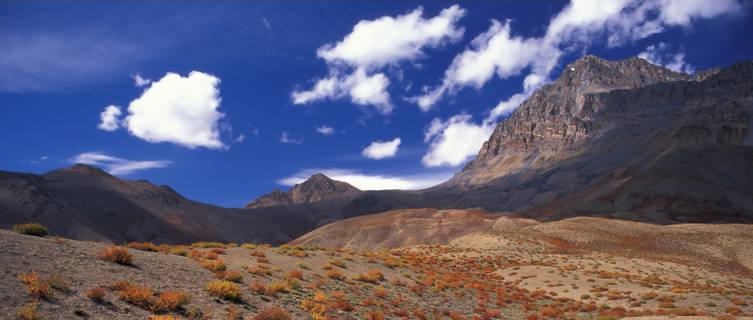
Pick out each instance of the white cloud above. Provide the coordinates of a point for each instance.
(117, 166)
(286, 138)
(365, 181)
(139, 81)
(454, 141)
(176, 109)
(325, 130)
(109, 118)
(376, 44)
(381, 149)
(579, 24)
(241, 138)
(659, 55)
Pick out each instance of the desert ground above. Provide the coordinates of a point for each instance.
(511, 269)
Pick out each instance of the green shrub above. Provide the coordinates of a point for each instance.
(32, 229)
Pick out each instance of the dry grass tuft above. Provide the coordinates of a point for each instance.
(272, 313)
(28, 312)
(372, 276)
(164, 317)
(374, 315)
(232, 275)
(31, 229)
(334, 274)
(35, 286)
(225, 290)
(294, 274)
(170, 301)
(214, 265)
(96, 294)
(143, 246)
(116, 254)
(134, 294)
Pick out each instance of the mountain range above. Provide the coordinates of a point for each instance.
(620, 139)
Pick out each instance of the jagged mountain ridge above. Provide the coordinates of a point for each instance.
(648, 145)
(318, 187)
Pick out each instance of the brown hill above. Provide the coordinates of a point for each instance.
(318, 187)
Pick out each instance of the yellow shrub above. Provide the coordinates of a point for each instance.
(225, 290)
(170, 301)
(35, 286)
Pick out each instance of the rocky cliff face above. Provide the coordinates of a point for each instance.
(623, 139)
(318, 187)
(561, 116)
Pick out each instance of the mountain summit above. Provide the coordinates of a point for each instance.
(316, 188)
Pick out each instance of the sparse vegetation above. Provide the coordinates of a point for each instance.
(96, 294)
(116, 254)
(31, 229)
(36, 287)
(272, 313)
(28, 312)
(225, 290)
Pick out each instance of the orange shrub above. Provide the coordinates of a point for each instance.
(96, 294)
(294, 274)
(374, 315)
(164, 317)
(258, 287)
(225, 290)
(233, 276)
(380, 292)
(214, 265)
(170, 301)
(334, 274)
(144, 246)
(137, 295)
(116, 254)
(272, 313)
(28, 312)
(372, 276)
(35, 286)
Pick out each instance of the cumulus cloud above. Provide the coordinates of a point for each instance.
(109, 118)
(381, 149)
(139, 81)
(354, 61)
(453, 141)
(659, 55)
(325, 130)
(115, 165)
(365, 181)
(288, 139)
(498, 52)
(579, 24)
(240, 138)
(175, 109)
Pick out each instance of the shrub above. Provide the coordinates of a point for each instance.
(136, 295)
(214, 265)
(116, 254)
(339, 263)
(272, 313)
(163, 317)
(233, 276)
(224, 289)
(31, 229)
(170, 301)
(294, 284)
(275, 287)
(374, 315)
(207, 245)
(28, 312)
(258, 287)
(248, 246)
(96, 294)
(179, 250)
(143, 246)
(372, 276)
(334, 274)
(217, 251)
(294, 274)
(35, 286)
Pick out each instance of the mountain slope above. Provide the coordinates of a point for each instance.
(622, 139)
(316, 188)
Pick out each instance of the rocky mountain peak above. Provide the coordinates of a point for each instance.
(316, 188)
(84, 169)
(569, 111)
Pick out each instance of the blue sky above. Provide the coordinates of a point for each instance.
(232, 93)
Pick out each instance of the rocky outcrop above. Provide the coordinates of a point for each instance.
(318, 187)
